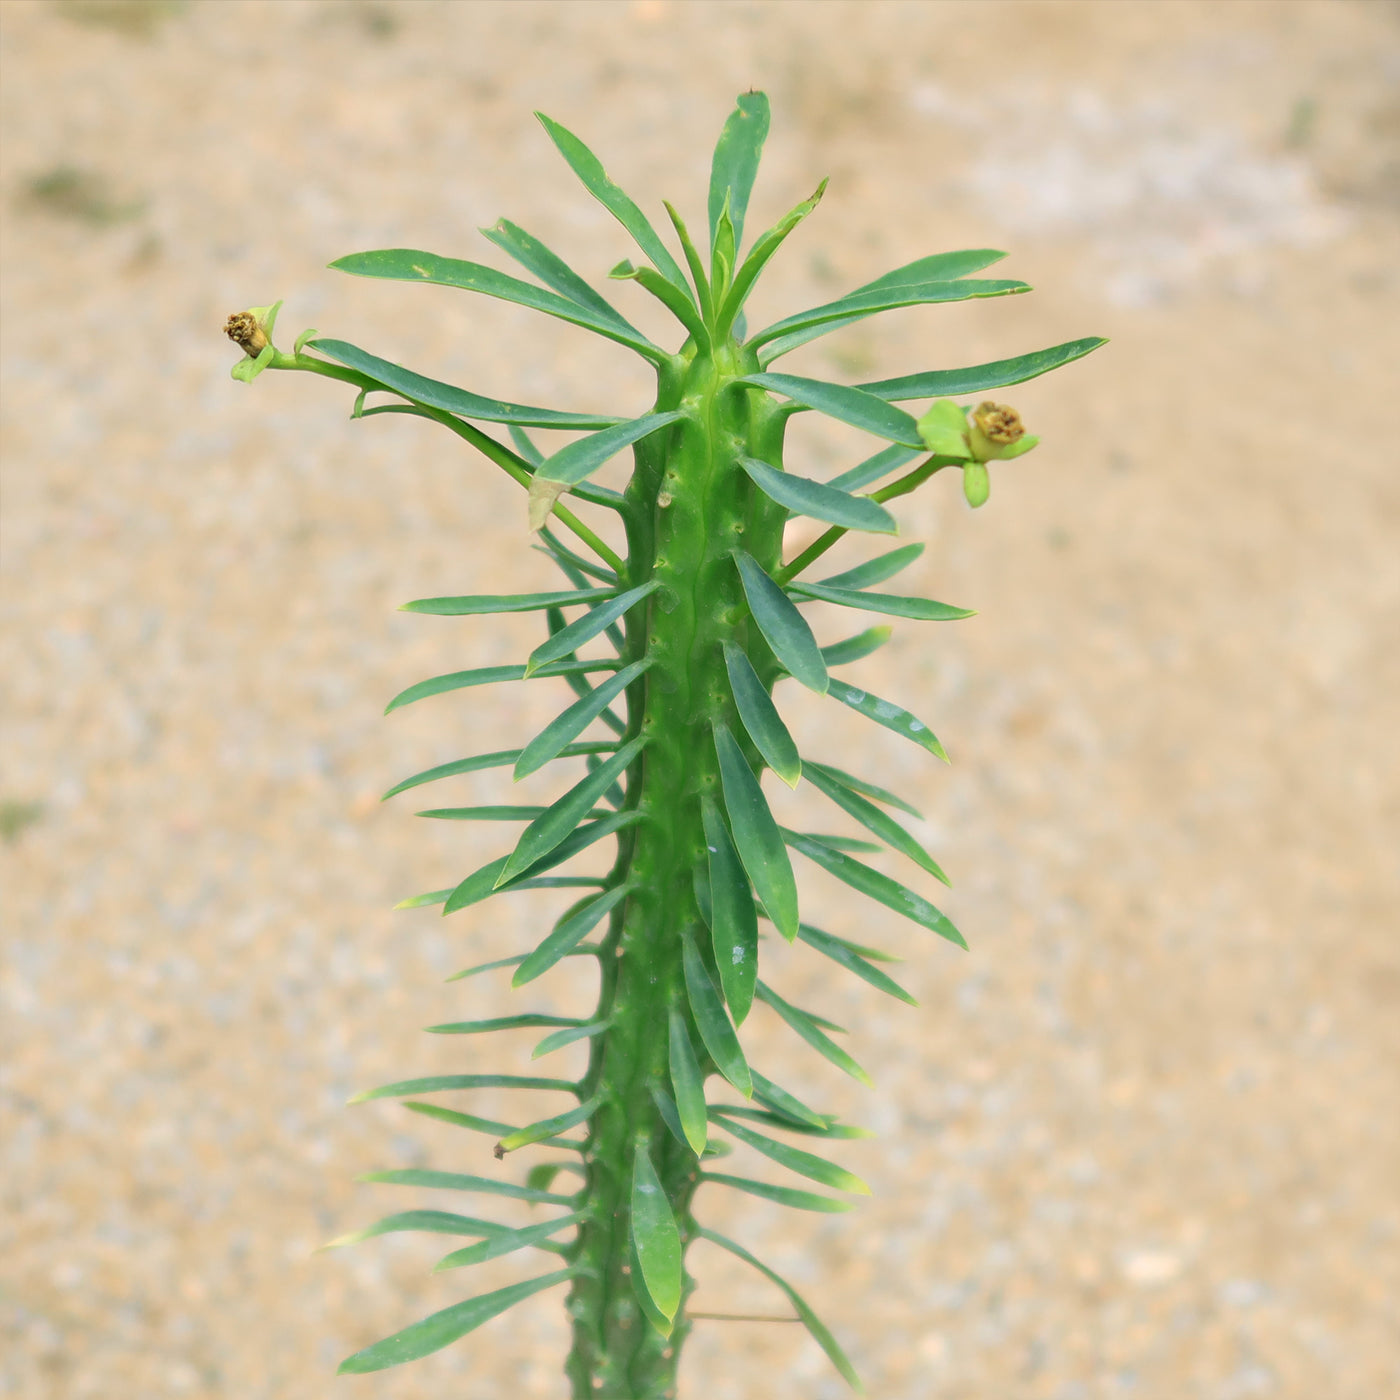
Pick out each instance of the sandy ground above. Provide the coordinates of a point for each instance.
(1137, 1142)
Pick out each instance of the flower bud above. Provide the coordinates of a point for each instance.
(976, 483)
(997, 433)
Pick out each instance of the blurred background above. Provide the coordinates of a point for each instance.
(1143, 1139)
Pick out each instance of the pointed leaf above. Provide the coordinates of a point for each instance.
(996, 374)
(508, 1241)
(761, 718)
(555, 737)
(435, 1222)
(555, 273)
(489, 675)
(854, 406)
(689, 1084)
(888, 714)
(549, 829)
(471, 1121)
(735, 164)
(854, 784)
(505, 603)
(451, 399)
(458, 1181)
(885, 461)
(523, 444)
(712, 1021)
(756, 835)
(670, 1115)
(810, 1320)
(514, 961)
(784, 628)
(879, 887)
(877, 570)
(547, 1128)
(786, 1105)
(807, 1028)
(731, 915)
(500, 1023)
(783, 1195)
(590, 170)
(576, 462)
(585, 628)
(729, 315)
(438, 1082)
(920, 609)
(490, 760)
(873, 819)
(793, 331)
(804, 496)
(411, 265)
(481, 814)
(560, 1039)
(806, 1164)
(445, 1327)
(566, 934)
(856, 648)
(655, 1236)
(844, 1132)
(837, 951)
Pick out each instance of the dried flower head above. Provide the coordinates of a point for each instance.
(243, 329)
(998, 422)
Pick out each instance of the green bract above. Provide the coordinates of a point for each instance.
(679, 615)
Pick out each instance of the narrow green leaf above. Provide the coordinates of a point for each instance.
(489, 675)
(433, 1222)
(783, 1195)
(885, 461)
(587, 951)
(854, 784)
(731, 915)
(786, 1105)
(557, 821)
(445, 1327)
(555, 273)
(554, 738)
(793, 331)
(837, 951)
(890, 715)
(585, 628)
(505, 603)
(560, 1039)
(712, 1021)
(679, 301)
(698, 277)
(481, 814)
(877, 570)
(457, 1181)
(525, 446)
(566, 934)
(767, 244)
(806, 1164)
(471, 1121)
(590, 170)
(847, 405)
(879, 887)
(490, 760)
(500, 1023)
(670, 1115)
(655, 1235)
(810, 1320)
(756, 835)
(846, 843)
(845, 1132)
(481, 884)
(760, 717)
(436, 394)
(807, 1028)
(411, 265)
(576, 462)
(735, 163)
(996, 374)
(508, 1241)
(804, 496)
(547, 1128)
(783, 627)
(855, 648)
(689, 1084)
(436, 1083)
(920, 609)
(873, 819)
(936, 267)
